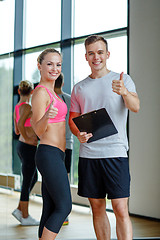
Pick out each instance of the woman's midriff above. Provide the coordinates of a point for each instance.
(55, 135)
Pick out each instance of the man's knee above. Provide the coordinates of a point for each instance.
(98, 205)
(120, 209)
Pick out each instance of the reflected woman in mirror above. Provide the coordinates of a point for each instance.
(26, 149)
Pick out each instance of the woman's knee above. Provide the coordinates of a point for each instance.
(69, 207)
(35, 177)
(66, 208)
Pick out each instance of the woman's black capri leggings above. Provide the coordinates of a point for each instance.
(56, 194)
(26, 154)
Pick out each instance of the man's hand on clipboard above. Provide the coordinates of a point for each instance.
(83, 136)
(92, 126)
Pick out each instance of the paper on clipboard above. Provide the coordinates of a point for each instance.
(97, 122)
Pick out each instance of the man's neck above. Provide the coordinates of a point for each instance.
(99, 74)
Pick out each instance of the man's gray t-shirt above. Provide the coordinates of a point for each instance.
(92, 94)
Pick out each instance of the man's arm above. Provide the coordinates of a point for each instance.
(131, 99)
(82, 136)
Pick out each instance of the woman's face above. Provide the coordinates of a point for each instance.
(50, 68)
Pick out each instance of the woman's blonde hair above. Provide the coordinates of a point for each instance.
(25, 87)
(45, 52)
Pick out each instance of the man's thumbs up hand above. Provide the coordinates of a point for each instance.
(118, 86)
(121, 76)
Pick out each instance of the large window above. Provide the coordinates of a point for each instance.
(31, 72)
(99, 16)
(44, 26)
(6, 93)
(7, 26)
(42, 22)
(7, 12)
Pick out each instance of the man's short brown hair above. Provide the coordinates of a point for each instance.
(95, 38)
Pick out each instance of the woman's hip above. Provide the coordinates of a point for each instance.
(48, 156)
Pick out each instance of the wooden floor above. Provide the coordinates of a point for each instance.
(80, 225)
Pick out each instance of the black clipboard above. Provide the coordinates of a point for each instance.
(97, 122)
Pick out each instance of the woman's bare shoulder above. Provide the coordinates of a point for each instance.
(40, 94)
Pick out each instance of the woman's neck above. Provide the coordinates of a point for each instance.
(47, 84)
(24, 99)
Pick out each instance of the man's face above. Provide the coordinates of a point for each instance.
(96, 55)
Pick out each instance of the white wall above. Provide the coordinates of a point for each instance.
(145, 126)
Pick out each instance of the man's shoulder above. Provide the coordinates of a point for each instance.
(81, 82)
(67, 95)
(117, 75)
(113, 74)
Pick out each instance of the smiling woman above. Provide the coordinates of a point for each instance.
(48, 121)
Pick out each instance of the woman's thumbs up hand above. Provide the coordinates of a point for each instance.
(52, 111)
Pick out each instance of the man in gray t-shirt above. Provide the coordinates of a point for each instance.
(103, 164)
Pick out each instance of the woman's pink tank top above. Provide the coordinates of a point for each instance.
(27, 122)
(59, 104)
